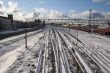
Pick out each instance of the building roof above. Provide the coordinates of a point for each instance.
(3, 17)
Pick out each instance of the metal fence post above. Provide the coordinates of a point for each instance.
(25, 36)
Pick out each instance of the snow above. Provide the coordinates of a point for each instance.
(8, 59)
(79, 57)
(10, 53)
(95, 45)
(98, 41)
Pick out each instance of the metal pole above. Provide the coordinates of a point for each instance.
(69, 27)
(25, 36)
(90, 11)
(38, 15)
(77, 37)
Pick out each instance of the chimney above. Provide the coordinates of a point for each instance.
(10, 16)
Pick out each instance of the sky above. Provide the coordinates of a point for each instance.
(55, 8)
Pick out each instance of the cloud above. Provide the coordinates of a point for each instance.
(40, 1)
(108, 3)
(2, 8)
(11, 9)
(29, 16)
(22, 16)
(73, 14)
(13, 6)
(49, 13)
(41, 10)
(107, 15)
(55, 14)
(98, 1)
(98, 15)
(18, 13)
(19, 16)
(85, 14)
(102, 1)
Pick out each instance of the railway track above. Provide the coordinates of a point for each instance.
(67, 52)
(61, 52)
(97, 58)
(78, 59)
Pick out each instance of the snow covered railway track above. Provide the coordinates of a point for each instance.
(48, 63)
(44, 70)
(96, 57)
(85, 58)
(53, 62)
(61, 52)
(40, 61)
(50, 56)
(100, 54)
(41, 65)
(56, 52)
(79, 65)
(63, 57)
(100, 59)
(70, 64)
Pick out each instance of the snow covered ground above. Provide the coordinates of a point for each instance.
(9, 53)
(102, 43)
(56, 51)
(96, 46)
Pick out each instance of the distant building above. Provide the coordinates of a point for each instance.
(5, 23)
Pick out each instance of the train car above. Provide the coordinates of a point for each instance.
(105, 31)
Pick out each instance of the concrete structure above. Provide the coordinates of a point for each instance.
(101, 23)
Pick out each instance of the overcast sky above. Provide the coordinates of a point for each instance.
(54, 8)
